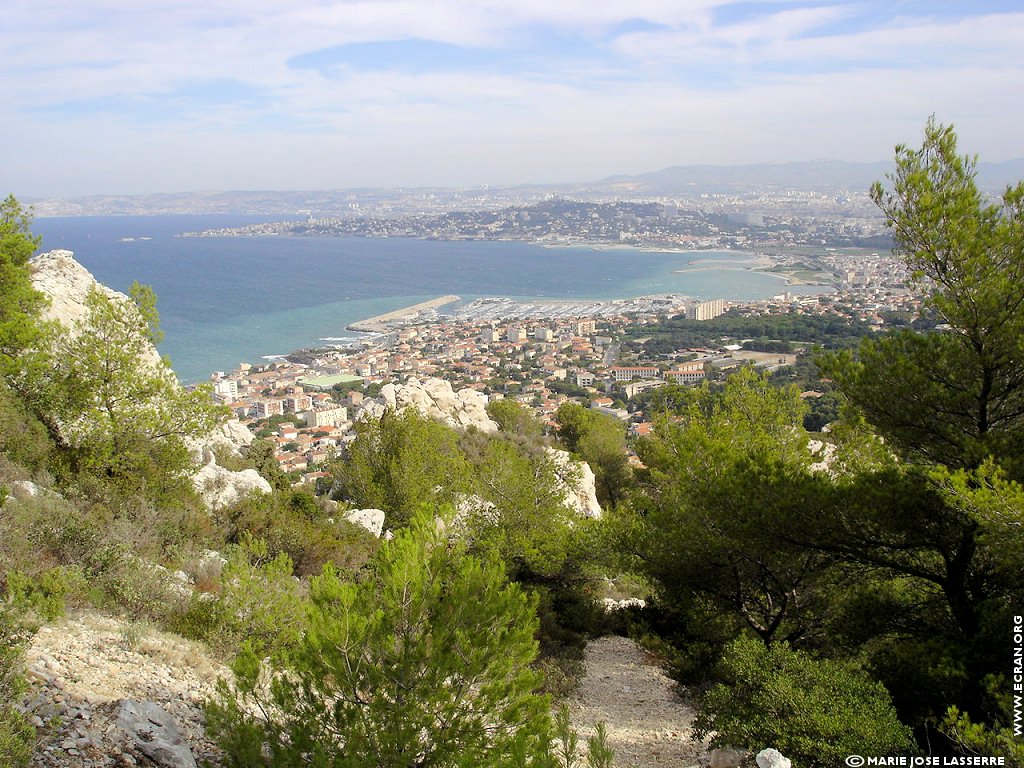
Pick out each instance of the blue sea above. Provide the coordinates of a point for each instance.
(226, 300)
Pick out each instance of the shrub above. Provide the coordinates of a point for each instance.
(425, 662)
(16, 734)
(45, 595)
(259, 601)
(815, 712)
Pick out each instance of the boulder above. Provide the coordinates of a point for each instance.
(610, 605)
(230, 437)
(370, 519)
(577, 478)
(155, 734)
(725, 757)
(219, 487)
(435, 399)
(772, 758)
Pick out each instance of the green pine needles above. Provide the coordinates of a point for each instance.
(425, 663)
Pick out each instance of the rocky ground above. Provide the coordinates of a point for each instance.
(648, 723)
(86, 667)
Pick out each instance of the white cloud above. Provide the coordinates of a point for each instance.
(201, 94)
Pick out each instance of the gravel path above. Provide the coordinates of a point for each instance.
(649, 725)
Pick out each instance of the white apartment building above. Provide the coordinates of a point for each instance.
(332, 416)
(630, 372)
(705, 310)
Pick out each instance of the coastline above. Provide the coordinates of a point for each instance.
(379, 323)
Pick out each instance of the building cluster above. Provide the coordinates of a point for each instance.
(305, 403)
(713, 221)
(312, 423)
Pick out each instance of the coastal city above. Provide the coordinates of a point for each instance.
(724, 221)
(545, 353)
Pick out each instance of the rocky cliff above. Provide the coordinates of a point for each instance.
(67, 285)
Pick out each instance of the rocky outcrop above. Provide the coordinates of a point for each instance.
(577, 478)
(67, 285)
(772, 758)
(219, 487)
(230, 437)
(435, 399)
(370, 519)
(155, 734)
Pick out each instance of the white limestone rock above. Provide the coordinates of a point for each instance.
(370, 519)
(231, 437)
(219, 487)
(772, 758)
(610, 605)
(577, 478)
(433, 398)
(67, 285)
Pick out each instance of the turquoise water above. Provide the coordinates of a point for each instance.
(227, 300)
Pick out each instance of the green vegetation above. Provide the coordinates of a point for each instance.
(16, 734)
(851, 601)
(816, 712)
(426, 662)
(599, 440)
(678, 333)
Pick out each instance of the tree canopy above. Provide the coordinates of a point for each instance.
(953, 397)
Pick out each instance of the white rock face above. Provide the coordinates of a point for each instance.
(611, 605)
(231, 436)
(435, 399)
(67, 285)
(221, 487)
(579, 482)
(370, 519)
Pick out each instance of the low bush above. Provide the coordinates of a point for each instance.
(16, 733)
(816, 712)
(258, 601)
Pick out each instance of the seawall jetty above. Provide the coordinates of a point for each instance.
(381, 323)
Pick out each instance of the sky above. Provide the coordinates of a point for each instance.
(135, 96)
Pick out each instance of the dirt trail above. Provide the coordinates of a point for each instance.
(649, 725)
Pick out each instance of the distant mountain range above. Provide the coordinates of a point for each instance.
(683, 182)
(814, 175)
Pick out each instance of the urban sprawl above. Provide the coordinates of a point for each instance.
(542, 353)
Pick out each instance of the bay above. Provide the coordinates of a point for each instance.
(225, 300)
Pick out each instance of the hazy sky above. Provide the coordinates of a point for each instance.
(127, 96)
